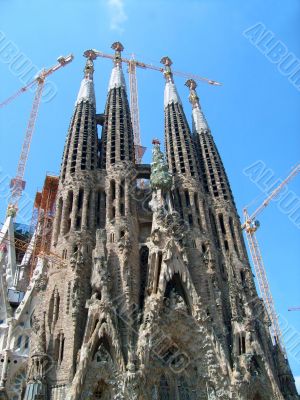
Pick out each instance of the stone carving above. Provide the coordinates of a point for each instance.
(35, 324)
(176, 302)
(124, 242)
(41, 282)
(77, 257)
(110, 295)
(160, 176)
(102, 355)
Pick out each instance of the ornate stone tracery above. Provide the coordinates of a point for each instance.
(153, 303)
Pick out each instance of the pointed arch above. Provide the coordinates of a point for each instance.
(176, 286)
(103, 350)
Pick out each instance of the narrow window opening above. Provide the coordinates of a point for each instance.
(222, 225)
(187, 198)
(19, 341)
(243, 345)
(158, 268)
(196, 202)
(113, 189)
(242, 274)
(80, 199)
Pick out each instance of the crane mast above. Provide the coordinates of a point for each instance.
(250, 226)
(17, 184)
(135, 115)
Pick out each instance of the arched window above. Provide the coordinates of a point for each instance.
(183, 389)
(26, 344)
(164, 389)
(19, 341)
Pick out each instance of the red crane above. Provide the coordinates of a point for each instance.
(17, 184)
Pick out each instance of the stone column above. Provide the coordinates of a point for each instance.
(92, 206)
(74, 210)
(127, 198)
(85, 208)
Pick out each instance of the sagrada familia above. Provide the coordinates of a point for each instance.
(153, 297)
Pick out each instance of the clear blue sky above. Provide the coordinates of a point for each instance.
(253, 116)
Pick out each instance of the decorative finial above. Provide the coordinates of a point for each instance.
(118, 47)
(199, 120)
(160, 176)
(156, 141)
(90, 54)
(167, 62)
(89, 66)
(89, 69)
(194, 99)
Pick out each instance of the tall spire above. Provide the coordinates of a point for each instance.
(117, 77)
(199, 120)
(212, 170)
(117, 142)
(78, 162)
(86, 91)
(179, 144)
(80, 151)
(171, 95)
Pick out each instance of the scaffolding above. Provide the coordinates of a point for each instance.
(42, 218)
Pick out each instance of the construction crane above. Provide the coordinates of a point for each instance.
(132, 64)
(250, 226)
(135, 114)
(17, 184)
(294, 309)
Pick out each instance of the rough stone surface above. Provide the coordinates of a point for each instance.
(154, 301)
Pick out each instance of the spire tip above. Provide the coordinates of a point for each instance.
(191, 84)
(167, 62)
(118, 47)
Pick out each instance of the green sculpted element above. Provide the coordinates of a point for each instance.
(160, 175)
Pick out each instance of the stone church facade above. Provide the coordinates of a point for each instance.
(155, 297)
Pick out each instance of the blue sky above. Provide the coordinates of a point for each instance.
(253, 116)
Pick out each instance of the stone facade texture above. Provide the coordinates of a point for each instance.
(154, 298)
